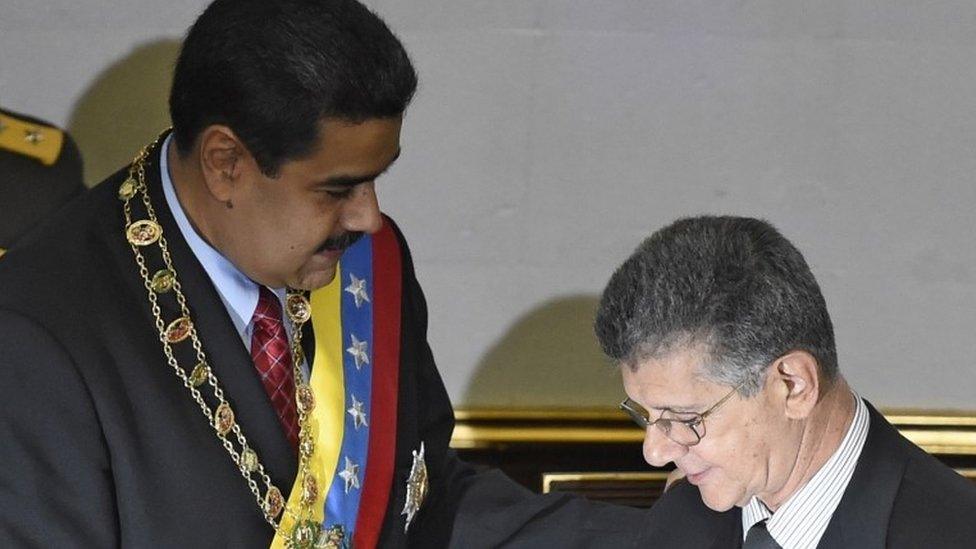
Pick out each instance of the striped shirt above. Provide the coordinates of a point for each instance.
(802, 520)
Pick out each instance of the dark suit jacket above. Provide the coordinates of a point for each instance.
(899, 497)
(102, 445)
(31, 191)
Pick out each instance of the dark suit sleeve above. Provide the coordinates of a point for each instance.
(55, 480)
(489, 509)
(496, 512)
(935, 507)
(434, 417)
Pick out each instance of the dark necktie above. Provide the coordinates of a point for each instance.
(758, 538)
(272, 359)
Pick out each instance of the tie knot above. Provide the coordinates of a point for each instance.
(268, 312)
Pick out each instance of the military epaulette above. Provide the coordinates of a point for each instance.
(2, 251)
(40, 142)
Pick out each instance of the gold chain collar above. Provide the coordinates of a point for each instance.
(143, 233)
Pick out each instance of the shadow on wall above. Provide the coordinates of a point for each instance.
(548, 358)
(125, 108)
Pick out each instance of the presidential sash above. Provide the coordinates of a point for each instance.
(355, 379)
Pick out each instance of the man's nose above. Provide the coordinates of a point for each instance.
(659, 450)
(361, 212)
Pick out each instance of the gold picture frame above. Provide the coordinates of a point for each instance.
(938, 432)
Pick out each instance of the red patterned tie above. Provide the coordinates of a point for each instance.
(272, 358)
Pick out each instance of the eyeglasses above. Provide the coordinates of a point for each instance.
(684, 428)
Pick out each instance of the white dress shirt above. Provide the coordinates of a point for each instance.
(802, 520)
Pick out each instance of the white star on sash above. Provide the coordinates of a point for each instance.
(358, 351)
(357, 413)
(349, 474)
(357, 287)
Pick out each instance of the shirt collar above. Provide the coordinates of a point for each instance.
(802, 520)
(238, 293)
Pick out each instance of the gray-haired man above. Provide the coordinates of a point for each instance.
(728, 361)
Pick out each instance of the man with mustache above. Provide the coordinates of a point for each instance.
(224, 344)
(728, 361)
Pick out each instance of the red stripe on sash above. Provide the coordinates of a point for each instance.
(387, 282)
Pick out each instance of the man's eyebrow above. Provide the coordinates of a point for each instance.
(353, 180)
(693, 409)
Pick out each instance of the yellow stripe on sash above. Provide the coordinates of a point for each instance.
(326, 421)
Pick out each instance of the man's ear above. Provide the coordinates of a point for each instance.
(222, 161)
(799, 378)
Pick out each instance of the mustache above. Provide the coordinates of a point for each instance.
(341, 242)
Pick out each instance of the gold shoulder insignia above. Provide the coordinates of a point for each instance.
(2, 251)
(40, 142)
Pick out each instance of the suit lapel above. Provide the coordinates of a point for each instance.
(230, 360)
(861, 518)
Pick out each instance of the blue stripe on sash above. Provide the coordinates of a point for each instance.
(342, 506)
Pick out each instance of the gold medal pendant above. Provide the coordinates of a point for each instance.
(274, 503)
(305, 398)
(127, 189)
(224, 419)
(306, 446)
(298, 308)
(305, 535)
(143, 232)
(310, 490)
(199, 374)
(178, 330)
(163, 281)
(249, 459)
(334, 538)
(310, 535)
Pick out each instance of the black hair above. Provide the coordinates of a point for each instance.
(274, 70)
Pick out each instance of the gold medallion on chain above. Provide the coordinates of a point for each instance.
(142, 233)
